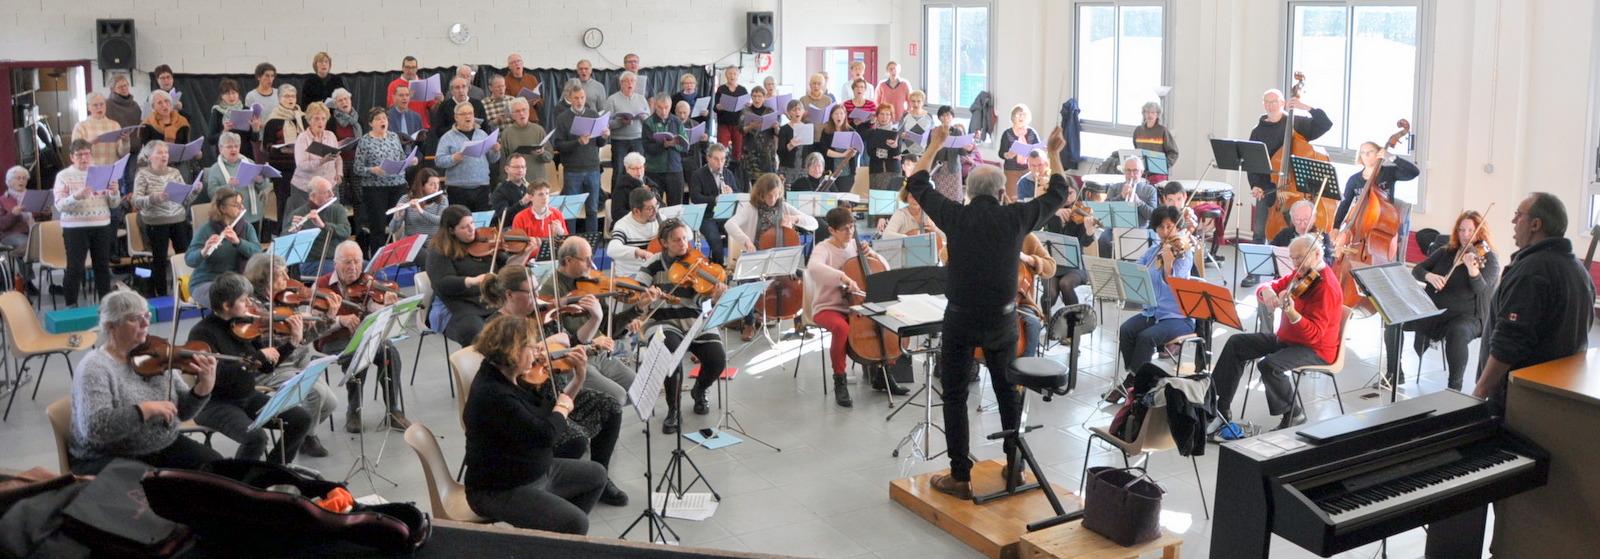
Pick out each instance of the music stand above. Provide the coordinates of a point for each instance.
(1313, 171)
(691, 214)
(729, 204)
(397, 253)
(767, 264)
(1136, 285)
(908, 252)
(884, 202)
(1121, 215)
(290, 395)
(1241, 155)
(294, 248)
(1206, 303)
(655, 364)
(892, 283)
(1133, 242)
(1265, 260)
(735, 304)
(1155, 162)
(1399, 299)
(1064, 249)
(365, 343)
(569, 205)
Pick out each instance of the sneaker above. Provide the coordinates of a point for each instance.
(613, 495)
(313, 447)
(1295, 416)
(1249, 281)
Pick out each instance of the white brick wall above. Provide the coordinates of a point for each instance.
(211, 36)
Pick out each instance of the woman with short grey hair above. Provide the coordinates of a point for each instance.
(225, 173)
(632, 177)
(165, 221)
(1154, 136)
(118, 413)
(14, 220)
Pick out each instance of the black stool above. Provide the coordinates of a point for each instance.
(1049, 378)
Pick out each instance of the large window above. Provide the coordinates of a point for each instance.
(1361, 63)
(1121, 60)
(956, 35)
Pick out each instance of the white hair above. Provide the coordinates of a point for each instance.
(288, 88)
(340, 92)
(627, 76)
(517, 102)
(159, 94)
(228, 138)
(633, 159)
(120, 305)
(14, 172)
(149, 148)
(1137, 161)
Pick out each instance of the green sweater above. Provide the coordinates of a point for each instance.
(228, 257)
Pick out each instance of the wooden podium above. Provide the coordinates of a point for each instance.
(1555, 405)
(995, 528)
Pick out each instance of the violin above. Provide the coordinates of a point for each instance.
(552, 357)
(251, 327)
(547, 309)
(1300, 286)
(598, 284)
(156, 356)
(370, 290)
(697, 272)
(490, 240)
(1081, 212)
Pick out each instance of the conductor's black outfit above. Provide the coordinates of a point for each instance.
(985, 239)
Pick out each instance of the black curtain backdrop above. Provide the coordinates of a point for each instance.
(367, 89)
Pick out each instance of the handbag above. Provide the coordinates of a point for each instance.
(1122, 506)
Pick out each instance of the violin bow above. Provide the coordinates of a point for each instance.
(494, 257)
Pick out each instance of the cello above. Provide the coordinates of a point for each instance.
(785, 296)
(870, 345)
(1370, 232)
(1289, 190)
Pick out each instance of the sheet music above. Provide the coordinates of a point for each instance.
(908, 252)
(1131, 243)
(1104, 276)
(918, 308)
(654, 366)
(768, 263)
(691, 506)
(1398, 295)
(1063, 248)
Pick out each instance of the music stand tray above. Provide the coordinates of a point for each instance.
(1309, 171)
(729, 204)
(770, 263)
(1121, 215)
(1203, 300)
(1132, 242)
(1064, 249)
(908, 252)
(691, 214)
(1241, 155)
(1264, 260)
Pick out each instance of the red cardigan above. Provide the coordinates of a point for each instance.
(1322, 312)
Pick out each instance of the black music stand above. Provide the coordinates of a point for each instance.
(891, 284)
(1399, 300)
(1320, 173)
(1241, 155)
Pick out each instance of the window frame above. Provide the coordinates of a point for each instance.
(1420, 107)
(1167, 51)
(961, 112)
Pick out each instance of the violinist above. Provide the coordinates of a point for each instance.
(222, 244)
(828, 284)
(672, 319)
(267, 276)
(1269, 130)
(321, 211)
(540, 220)
(631, 235)
(574, 260)
(596, 415)
(359, 294)
(458, 275)
(1461, 277)
(1375, 159)
(119, 413)
(1156, 324)
(1302, 221)
(235, 402)
(1312, 307)
(513, 421)
(1072, 220)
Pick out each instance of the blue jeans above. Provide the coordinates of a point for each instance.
(1141, 335)
(1032, 326)
(578, 182)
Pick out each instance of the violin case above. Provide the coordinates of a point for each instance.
(228, 504)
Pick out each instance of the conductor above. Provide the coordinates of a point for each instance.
(985, 238)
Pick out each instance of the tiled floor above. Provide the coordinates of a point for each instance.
(826, 493)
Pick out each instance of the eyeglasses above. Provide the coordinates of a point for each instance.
(141, 319)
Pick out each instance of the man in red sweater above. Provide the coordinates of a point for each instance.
(1308, 334)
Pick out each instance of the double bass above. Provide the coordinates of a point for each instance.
(1289, 190)
(1370, 232)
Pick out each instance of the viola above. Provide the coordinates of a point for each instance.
(156, 356)
(251, 327)
(697, 272)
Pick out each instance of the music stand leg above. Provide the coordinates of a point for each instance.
(926, 426)
(656, 528)
(672, 476)
(729, 422)
(365, 465)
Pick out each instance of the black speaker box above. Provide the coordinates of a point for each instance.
(758, 32)
(114, 43)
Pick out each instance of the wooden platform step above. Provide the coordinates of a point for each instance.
(1073, 541)
(993, 529)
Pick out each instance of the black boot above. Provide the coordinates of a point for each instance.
(352, 411)
(895, 388)
(841, 391)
